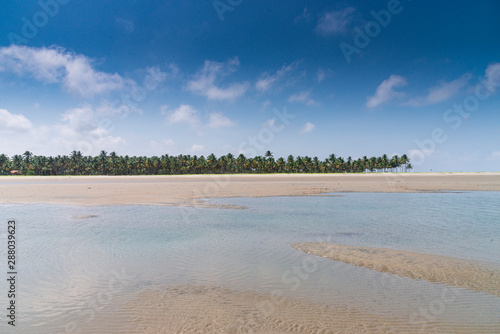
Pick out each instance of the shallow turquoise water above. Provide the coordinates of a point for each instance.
(73, 271)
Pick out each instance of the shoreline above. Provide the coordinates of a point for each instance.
(189, 190)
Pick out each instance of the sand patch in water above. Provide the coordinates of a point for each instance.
(433, 268)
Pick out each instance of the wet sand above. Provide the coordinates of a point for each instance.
(201, 309)
(433, 268)
(188, 190)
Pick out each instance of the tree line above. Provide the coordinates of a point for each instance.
(113, 164)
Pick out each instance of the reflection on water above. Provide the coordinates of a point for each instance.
(78, 265)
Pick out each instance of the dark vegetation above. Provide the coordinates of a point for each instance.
(113, 164)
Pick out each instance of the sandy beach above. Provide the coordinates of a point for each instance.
(218, 309)
(188, 190)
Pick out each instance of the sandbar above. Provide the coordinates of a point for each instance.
(190, 190)
(461, 273)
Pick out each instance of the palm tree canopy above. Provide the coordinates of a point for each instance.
(113, 164)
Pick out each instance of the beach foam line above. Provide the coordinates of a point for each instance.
(433, 268)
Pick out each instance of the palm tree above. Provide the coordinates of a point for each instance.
(241, 163)
(212, 163)
(4, 164)
(404, 161)
(113, 164)
(17, 161)
(384, 162)
(290, 164)
(27, 156)
(394, 163)
(103, 162)
(280, 165)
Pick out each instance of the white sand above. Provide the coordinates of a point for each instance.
(188, 189)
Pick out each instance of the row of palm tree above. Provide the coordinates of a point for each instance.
(113, 164)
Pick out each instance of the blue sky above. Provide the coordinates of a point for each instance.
(352, 78)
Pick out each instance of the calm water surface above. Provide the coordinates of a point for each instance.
(74, 269)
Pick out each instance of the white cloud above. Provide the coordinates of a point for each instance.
(218, 120)
(299, 97)
(78, 129)
(492, 76)
(82, 79)
(303, 97)
(197, 148)
(54, 65)
(335, 22)
(385, 91)
(13, 122)
(81, 131)
(308, 127)
(109, 109)
(267, 80)
(203, 82)
(155, 76)
(442, 92)
(323, 74)
(79, 119)
(184, 114)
